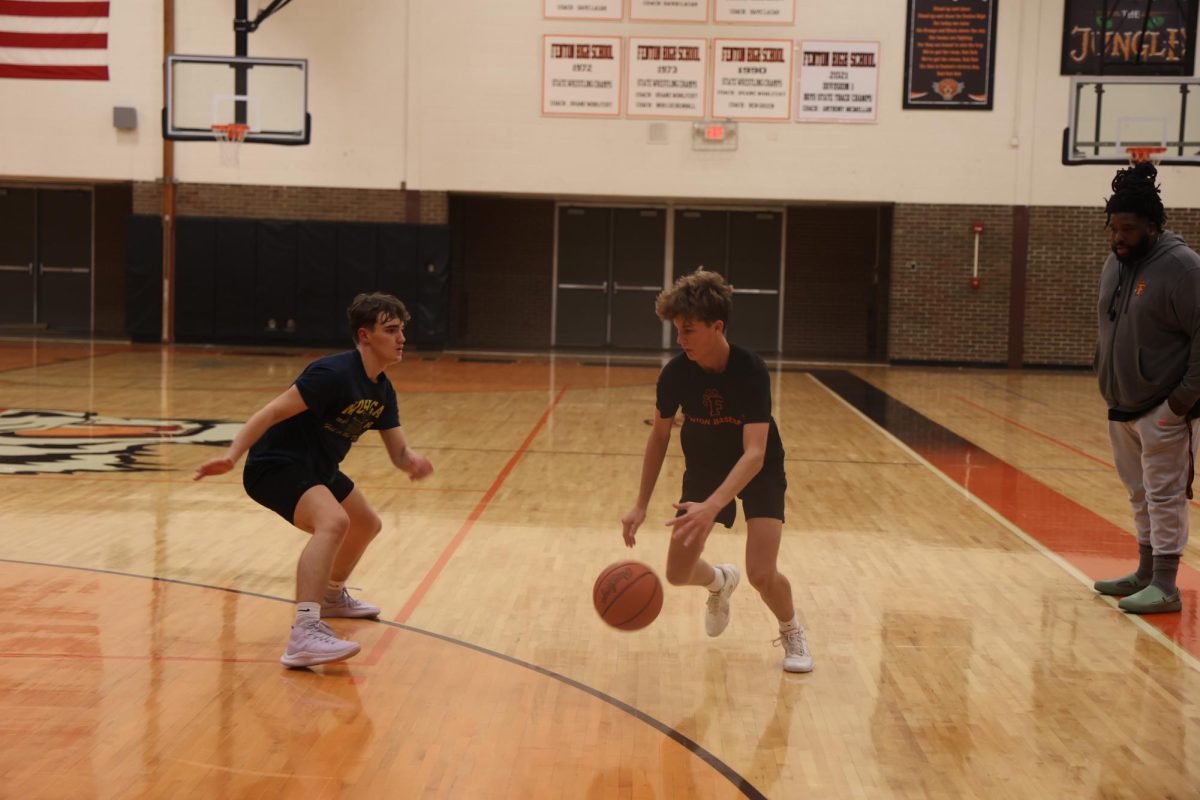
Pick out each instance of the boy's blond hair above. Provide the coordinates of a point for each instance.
(703, 295)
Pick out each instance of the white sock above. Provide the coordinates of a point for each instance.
(718, 580)
(307, 611)
(334, 589)
(787, 627)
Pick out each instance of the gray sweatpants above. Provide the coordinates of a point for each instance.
(1152, 459)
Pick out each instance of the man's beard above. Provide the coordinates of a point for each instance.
(1138, 252)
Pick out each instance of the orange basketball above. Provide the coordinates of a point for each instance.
(628, 595)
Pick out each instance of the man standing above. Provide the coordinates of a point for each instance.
(1148, 365)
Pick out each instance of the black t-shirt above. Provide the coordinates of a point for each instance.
(343, 402)
(715, 407)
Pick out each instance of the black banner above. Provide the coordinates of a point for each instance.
(950, 54)
(1129, 37)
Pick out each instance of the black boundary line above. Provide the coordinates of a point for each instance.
(740, 783)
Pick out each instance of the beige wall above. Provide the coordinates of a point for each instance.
(445, 96)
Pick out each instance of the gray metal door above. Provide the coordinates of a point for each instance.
(639, 248)
(18, 254)
(584, 255)
(610, 269)
(755, 258)
(746, 247)
(64, 271)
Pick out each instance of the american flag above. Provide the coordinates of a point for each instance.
(54, 39)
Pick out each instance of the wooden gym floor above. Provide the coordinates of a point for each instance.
(943, 529)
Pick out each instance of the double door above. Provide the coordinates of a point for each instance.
(747, 248)
(613, 262)
(46, 259)
(610, 270)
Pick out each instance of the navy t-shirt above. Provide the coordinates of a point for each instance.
(715, 407)
(343, 402)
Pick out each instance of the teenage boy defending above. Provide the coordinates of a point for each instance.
(731, 448)
(296, 443)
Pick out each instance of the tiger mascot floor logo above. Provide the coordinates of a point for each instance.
(33, 442)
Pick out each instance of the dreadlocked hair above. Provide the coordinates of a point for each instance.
(1135, 192)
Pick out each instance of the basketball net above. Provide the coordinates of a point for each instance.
(229, 138)
(1138, 155)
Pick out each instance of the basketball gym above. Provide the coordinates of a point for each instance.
(907, 197)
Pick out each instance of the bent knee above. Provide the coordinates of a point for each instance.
(370, 525)
(761, 579)
(336, 525)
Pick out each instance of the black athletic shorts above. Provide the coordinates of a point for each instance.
(761, 497)
(279, 485)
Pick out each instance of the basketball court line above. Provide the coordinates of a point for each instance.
(1034, 431)
(423, 588)
(1049, 438)
(999, 495)
(394, 627)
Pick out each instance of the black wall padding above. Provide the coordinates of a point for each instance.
(234, 269)
(234, 276)
(275, 279)
(319, 318)
(433, 296)
(398, 266)
(195, 280)
(143, 278)
(357, 260)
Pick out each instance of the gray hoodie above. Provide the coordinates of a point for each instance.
(1149, 332)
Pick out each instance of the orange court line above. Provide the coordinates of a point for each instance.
(1047, 437)
(423, 588)
(105, 657)
(122, 475)
(1035, 432)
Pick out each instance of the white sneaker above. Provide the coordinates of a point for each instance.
(796, 657)
(346, 606)
(716, 620)
(313, 642)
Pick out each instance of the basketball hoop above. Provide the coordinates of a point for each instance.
(229, 138)
(1138, 155)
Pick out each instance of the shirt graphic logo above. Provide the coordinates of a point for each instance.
(713, 402)
(355, 419)
(63, 442)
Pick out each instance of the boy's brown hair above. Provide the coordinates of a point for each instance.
(703, 295)
(369, 310)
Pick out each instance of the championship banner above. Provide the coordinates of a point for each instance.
(1129, 37)
(839, 81)
(581, 76)
(668, 10)
(582, 9)
(752, 79)
(950, 54)
(756, 12)
(667, 78)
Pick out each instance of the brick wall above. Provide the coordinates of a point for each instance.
(295, 202)
(935, 314)
(1067, 248)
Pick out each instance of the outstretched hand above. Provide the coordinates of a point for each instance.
(419, 467)
(214, 466)
(693, 525)
(630, 523)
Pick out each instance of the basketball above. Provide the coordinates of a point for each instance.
(627, 595)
